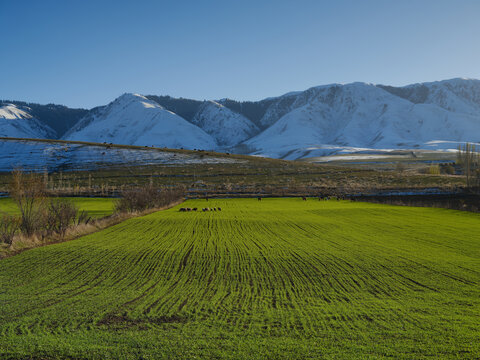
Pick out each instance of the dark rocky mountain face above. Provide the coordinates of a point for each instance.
(186, 108)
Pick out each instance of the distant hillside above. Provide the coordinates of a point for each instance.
(320, 121)
(58, 117)
(133, 119)
(186, 108)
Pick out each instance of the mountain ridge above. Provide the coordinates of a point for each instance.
(314, 122)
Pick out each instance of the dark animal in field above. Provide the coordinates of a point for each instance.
(206, 198)
(189, 209)
(219, 209)
(304, 198)
(259, 199)
(182, 209)
(214, 209)
(194, 209)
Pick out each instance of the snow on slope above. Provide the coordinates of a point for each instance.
(357, 115)
(134, 120)
(227, 127)
(54, 156)
(15, 122)
(457, 95)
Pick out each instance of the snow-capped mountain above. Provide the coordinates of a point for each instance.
(327, 118)
(16, 122)
(134, 120)
(319, 121)
(228, 128)
(456, 95)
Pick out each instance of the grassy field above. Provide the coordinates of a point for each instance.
(280, 278)
(95, 207)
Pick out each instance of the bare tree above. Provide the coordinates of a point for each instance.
(28, 191)
(61, 214)
(469, 160)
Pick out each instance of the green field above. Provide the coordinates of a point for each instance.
(95, 207)
(280, 278)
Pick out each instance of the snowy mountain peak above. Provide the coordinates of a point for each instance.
(134, 120)
(227, 127)
(10, 111)
(362, 115)
(16, 122)
(131, 98)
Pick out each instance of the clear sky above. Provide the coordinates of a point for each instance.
(86, 53)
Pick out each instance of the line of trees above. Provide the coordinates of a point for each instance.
(468, 159)
(42, 216)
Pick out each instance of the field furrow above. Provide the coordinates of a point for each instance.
(280, 278)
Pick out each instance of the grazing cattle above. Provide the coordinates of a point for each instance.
(182, 209)
(259, 199)
(194, 209)
(214, 209)
(304, 198)
(219, 209)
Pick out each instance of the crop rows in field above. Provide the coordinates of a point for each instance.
(277, 277)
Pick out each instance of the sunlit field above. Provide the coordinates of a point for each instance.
(277, 278)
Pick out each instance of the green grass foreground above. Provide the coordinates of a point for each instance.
(95, 207)
(270, 279)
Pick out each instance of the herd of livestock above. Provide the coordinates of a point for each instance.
(260, 199)
(204, 209)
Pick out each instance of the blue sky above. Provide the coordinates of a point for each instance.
(86, 53)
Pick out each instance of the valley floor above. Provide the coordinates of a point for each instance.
(277, 278)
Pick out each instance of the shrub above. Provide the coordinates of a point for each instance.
(9, 225)
(61, 214)
(448, 169)
(148, 197)
(400, 167)
(433, 170)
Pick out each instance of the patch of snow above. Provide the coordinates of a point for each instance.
(37, 155)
